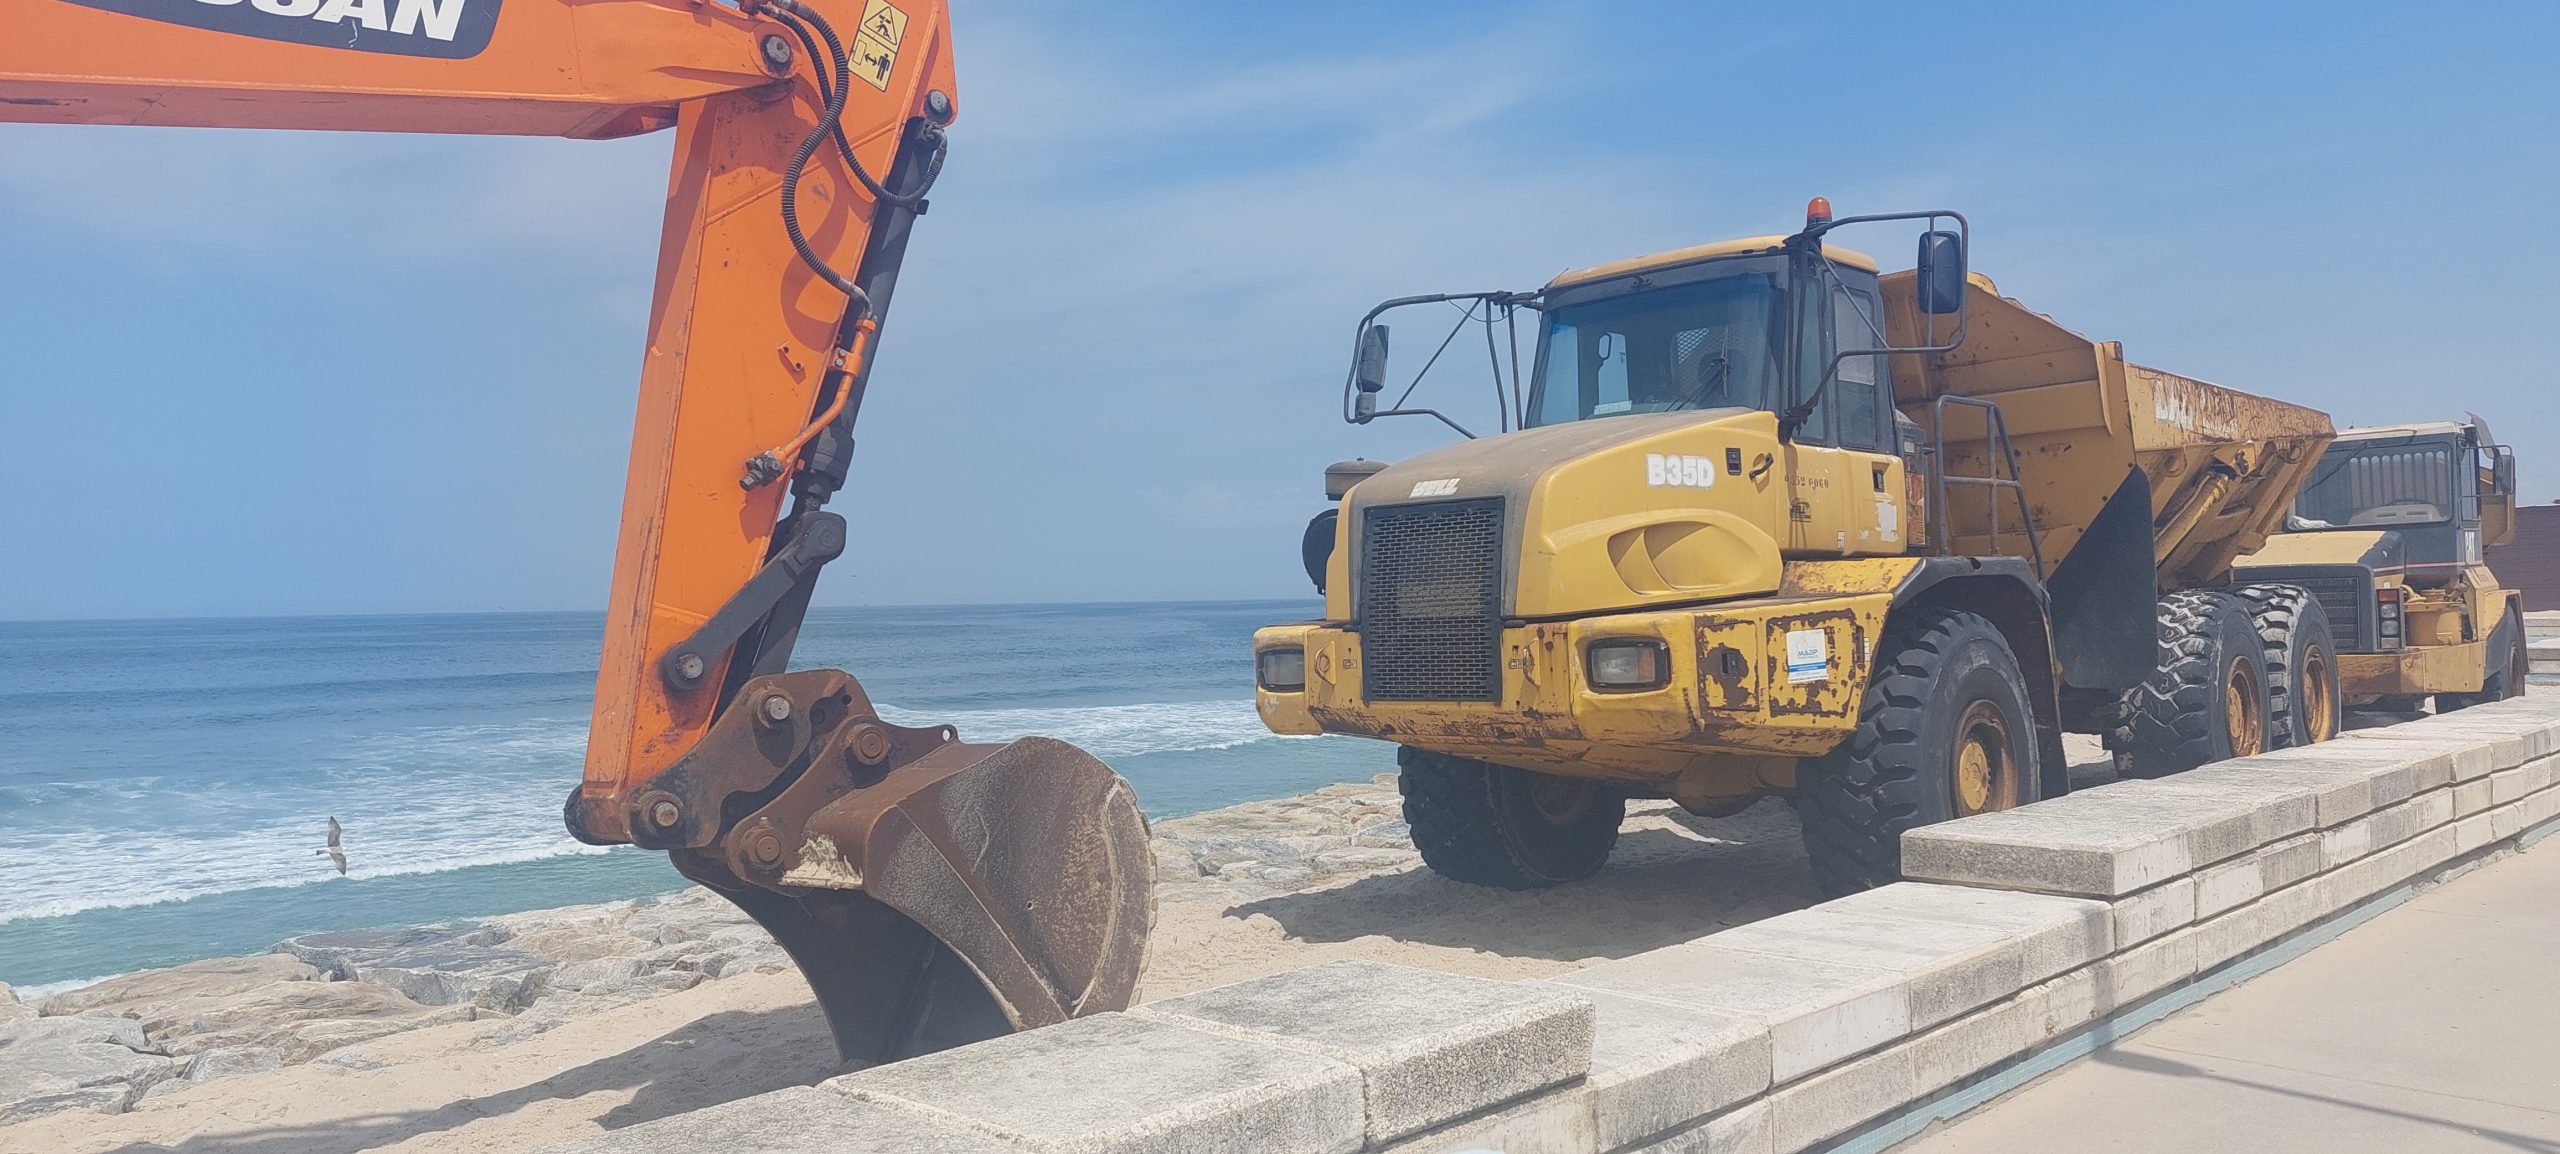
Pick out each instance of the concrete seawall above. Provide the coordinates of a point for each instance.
(2022, 936)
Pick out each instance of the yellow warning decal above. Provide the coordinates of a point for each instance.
(875, 45)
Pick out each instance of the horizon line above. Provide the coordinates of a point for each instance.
(6, 621)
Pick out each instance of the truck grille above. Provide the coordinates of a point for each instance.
(1430, 601)
(2345, 598)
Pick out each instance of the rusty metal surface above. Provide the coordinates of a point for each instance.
(934, 892)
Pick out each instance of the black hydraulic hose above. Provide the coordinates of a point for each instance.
(787, 10)
(832, 95)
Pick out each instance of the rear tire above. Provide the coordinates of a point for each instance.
(1945, 730)
(2301, 664)
(2207, 700)
(1492, 825)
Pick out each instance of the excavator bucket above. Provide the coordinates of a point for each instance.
(933, 892)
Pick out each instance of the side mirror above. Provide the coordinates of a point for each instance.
(1369, 373)
(2505, 470)
(1941, 273)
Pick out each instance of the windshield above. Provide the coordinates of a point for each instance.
(2360, 486)
(1707, 344)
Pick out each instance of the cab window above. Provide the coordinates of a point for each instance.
(1859, 392)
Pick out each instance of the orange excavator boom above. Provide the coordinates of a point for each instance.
(932, 891)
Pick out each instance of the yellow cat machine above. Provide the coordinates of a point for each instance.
(1761, 521)
(933, 891)
(2389, 534)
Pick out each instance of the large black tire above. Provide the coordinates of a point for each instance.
(1946, 699)
(2207, 701)
(2303, 706)
(1491, 825)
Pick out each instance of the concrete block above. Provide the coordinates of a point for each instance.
(2032, 849)
(1556, 1122)
(2472, 797)
(2217, 822)
(1833, 1102)
(1126, 1084)
(2156, 911)
(2473, 833)
(1959, 1050)
(2138, 973)
(1816, 1012)
(2541, 807)
(798, 1119)
(2464, 758)
(1431, 1047)
(2234, 884)
(2513, 784)
(2060, 934)
(2515, 817)
(1947, 967)
(2345, 843)
(2279, 806)
(1655, 1067)
(2358, 881)
(2354, 778)
(1741, 1130)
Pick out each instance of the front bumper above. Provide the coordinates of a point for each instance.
(1732, 690)
(2458, 668)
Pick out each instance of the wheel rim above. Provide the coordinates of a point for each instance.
(2243, 724)
(1982, 763)
(1558, 801)
(2319, 689)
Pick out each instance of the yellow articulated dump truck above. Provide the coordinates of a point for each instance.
(1760, 520)
(2388, 534)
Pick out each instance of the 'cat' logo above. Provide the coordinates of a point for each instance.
(444, 29)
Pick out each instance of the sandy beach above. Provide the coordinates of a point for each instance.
(559, 1024)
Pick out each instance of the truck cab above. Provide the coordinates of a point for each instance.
(2388, 534)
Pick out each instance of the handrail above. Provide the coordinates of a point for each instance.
(1995, 431)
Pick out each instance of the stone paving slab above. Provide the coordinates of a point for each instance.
(1431, 1047)
(2073, 855)
(1655, 1066)
(1124, 1084)
(796, 1121)
(1948, 967)
(1816, 1012)
(2060, 933)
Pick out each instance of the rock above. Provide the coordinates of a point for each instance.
(339, 955)
(305, 1041)
(434, 967)
(1174, 862)
(276, 1016)
(135, 994)
(219, 1062)
(11, 1007)
(75, 1062)
(1393, 834)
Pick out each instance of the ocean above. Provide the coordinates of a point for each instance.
(165, 786)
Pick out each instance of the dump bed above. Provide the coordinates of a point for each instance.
(2223, 465)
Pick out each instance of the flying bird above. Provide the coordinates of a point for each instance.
(337, 855)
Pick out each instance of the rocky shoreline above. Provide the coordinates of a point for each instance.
(125, 1042)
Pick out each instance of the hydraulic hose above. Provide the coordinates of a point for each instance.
(791, 12)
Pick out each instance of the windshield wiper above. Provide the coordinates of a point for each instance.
(1689, 398)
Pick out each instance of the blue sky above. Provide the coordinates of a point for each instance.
(251, 373)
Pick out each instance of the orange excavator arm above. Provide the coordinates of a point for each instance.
(932, 891)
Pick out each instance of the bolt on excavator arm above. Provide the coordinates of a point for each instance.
(933, 892)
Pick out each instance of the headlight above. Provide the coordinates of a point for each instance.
(2387, 615)
(1626, 665)
(1281, 670)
